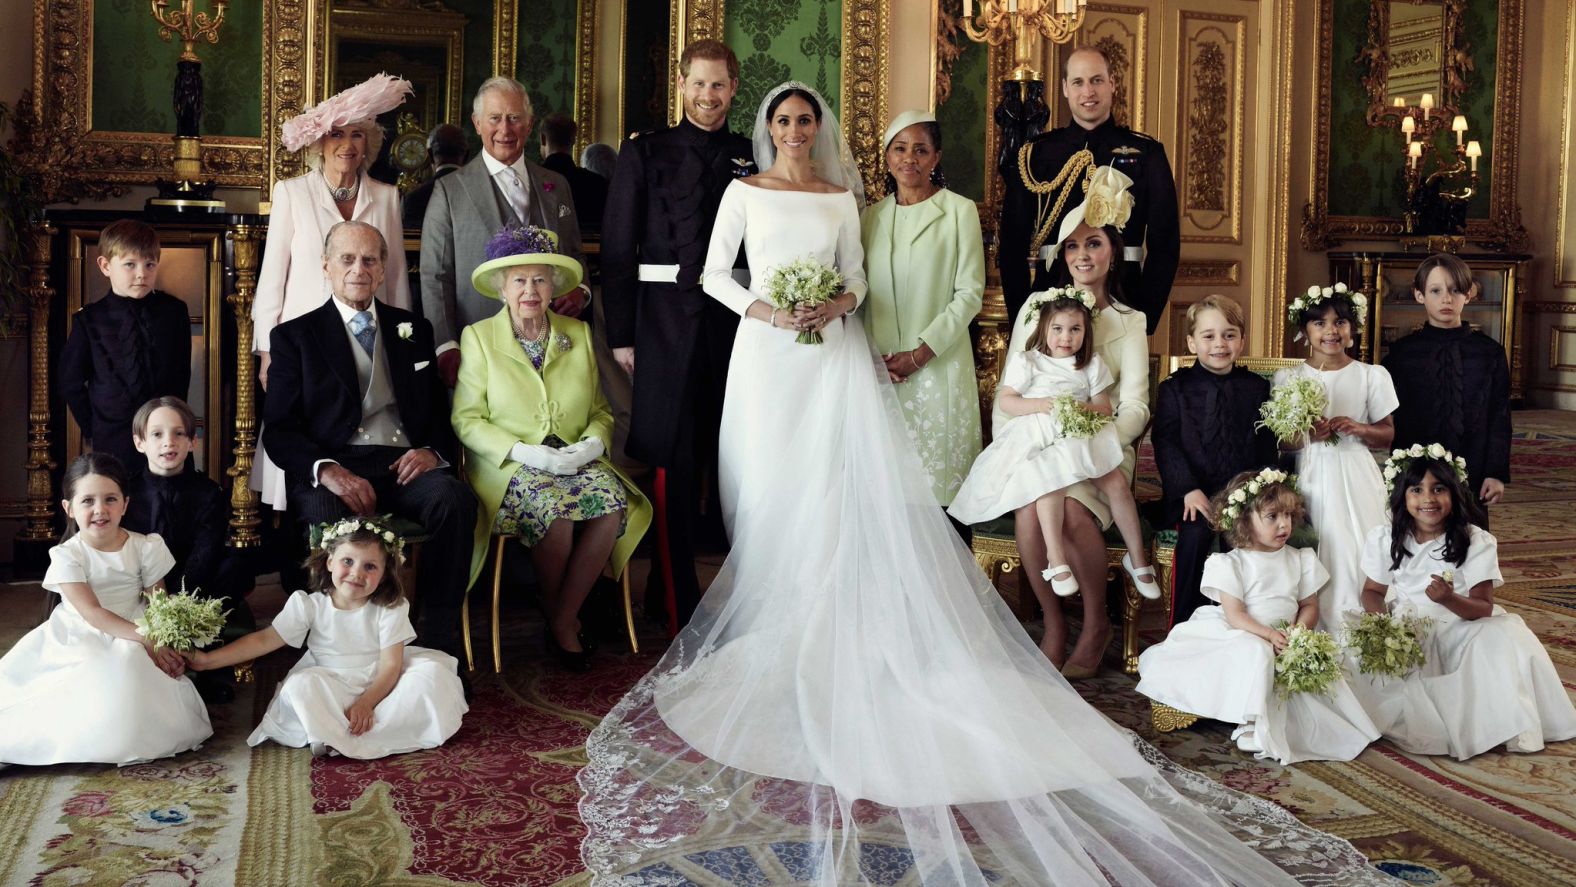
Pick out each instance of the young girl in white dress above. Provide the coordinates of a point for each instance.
(358, 690)
(1486, 680)
(1221, 662)
(85, 686)
(1336, 470)
(1035, 460)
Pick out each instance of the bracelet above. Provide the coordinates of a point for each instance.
(773, 319)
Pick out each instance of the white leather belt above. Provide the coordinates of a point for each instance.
(670, 274)
(1048, 252)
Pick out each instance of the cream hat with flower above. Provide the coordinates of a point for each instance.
(1108, 200)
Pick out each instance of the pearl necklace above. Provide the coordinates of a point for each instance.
(344, 195)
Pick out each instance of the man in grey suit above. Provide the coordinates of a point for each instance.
(468, 207)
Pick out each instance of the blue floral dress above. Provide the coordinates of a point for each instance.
(535, 498)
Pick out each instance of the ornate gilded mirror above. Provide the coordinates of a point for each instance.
(422, 41)
(1415, 48)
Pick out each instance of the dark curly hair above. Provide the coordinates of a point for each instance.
(1464, 511)
(390, 590)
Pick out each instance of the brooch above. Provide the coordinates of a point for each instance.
(562, 342)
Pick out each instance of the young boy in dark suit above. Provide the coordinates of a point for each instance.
(171, 497)
(128, 347)
(1203, 436)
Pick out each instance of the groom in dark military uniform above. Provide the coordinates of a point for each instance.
(671, 337)
(1152, 235)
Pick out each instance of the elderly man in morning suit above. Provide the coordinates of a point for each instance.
(470, 206)
(359, 421)
(1152, 235)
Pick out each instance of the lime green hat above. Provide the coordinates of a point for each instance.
(525, 245)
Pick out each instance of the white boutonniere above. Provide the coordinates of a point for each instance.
(406, 330)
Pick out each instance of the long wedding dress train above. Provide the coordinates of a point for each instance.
(852, 703)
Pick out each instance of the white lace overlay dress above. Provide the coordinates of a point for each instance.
(1033, 456)
(342, 648)
(852, 703)
(72, 693)
(1486, 682)
(1207, 668)
(1340, 482)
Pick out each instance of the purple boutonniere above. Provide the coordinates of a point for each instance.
(547, 186)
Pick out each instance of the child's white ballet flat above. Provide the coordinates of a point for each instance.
(1145, 586)
(1063, 587)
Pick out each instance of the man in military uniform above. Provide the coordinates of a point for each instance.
(1152, 235)
(664, 330)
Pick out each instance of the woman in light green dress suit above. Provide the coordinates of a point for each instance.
(925, 263)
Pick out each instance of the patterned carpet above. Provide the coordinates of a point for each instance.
(496, 806)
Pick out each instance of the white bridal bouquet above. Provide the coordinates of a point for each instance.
(1310, 662)
(1293, 407)
(803, 282)
(1386, 644)
(181, 621)
(1075, 418)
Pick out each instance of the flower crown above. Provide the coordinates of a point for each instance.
(1396, 465)
(1318, 294)
(331, 533)
(1241, 499)
(1047, 298)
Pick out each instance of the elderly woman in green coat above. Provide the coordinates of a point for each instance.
(925, 263)
(536, 428)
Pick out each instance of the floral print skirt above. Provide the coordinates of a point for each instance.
(536, 498)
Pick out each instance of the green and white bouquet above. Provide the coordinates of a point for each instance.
(181, 621)
(803, 282)
(1293, 407)
(1385, 643)
(1075, 418)
(1309, 664)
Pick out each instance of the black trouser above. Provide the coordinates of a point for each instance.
(442, 503)
(1195, 539)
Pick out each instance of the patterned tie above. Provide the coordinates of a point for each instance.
(514, 191)
(361, 327)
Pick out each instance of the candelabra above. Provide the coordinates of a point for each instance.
(1055, 20)
(187, 192)
(1022, 112)
(1436, 203)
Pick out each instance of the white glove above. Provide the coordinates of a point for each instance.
(542, 457)
(584, 453)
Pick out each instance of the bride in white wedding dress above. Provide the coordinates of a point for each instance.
(852, 703)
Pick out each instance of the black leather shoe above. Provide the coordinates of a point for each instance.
(579, 662)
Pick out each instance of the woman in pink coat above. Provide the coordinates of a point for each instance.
(339, 138)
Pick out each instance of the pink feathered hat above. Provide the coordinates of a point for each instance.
(364, 101)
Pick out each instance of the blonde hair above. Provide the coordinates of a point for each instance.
(129, 237)
(312, 154)
(1227, 307)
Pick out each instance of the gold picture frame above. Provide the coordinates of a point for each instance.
(72, 160)
(394, 22)
(1502, 228)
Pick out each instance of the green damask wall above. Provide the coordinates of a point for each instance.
(963, 118)
(777, 40)
(546, 57)
(1365, 162)
(134, 71)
